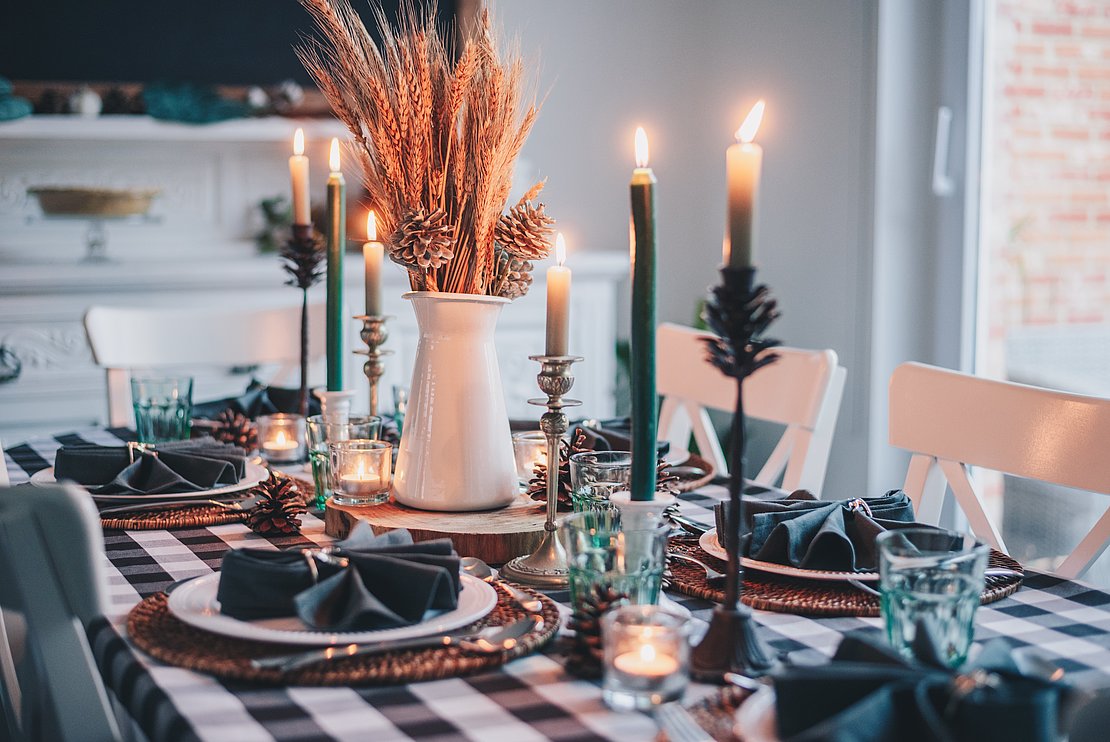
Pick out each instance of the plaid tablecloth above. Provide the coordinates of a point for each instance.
(529, 699)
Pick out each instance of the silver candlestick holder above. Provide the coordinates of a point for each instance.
(374, 335)
(546, 567)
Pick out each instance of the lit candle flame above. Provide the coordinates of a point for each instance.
(280, 438)
(361, 473)
(747, 130)
(560, 249)
(641, 147)
(647, 653)
(333, 158)
(298, 142)
(371, 226)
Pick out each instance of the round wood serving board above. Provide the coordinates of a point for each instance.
(494, 536)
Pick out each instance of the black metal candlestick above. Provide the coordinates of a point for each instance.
(738, 311)
(302, 254)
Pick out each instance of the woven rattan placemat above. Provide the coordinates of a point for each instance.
(158, 633)
(188, 516)
(782, 594)
(697, 462)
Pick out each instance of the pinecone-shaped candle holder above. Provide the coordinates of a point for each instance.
(546, 567)
(739, 312)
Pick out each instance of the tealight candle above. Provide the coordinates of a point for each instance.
(281, 438)
(646, 657)
(361, 471)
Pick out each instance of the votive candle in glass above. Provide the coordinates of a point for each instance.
(530, 450)
(281, 438)
(361, 471)
(647, 657)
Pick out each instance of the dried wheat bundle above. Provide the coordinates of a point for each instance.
(436, 134)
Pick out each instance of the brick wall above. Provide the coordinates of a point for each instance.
(1047, 160)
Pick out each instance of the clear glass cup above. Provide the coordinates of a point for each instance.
(360, 471)
(595, 475)
(281, 438)
(623, 551)
(931, 578)
(646, 657)
(321, 432)
(529, 449)
(163, 408)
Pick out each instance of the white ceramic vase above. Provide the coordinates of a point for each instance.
(456, 451)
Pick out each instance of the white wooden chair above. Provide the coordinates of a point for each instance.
(125, 338)
(802, 390)
(53, 581)
(951, 421)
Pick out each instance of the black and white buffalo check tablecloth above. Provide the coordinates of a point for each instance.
(529, 699)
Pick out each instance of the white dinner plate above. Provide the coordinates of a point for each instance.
(755, 720)
(195, 603)
(710, 545)
(253, 474)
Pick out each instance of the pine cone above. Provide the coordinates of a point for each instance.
(537, 485)
(422, 242)
(514, 275)
(525, 231)
(302, 260)
(278, 512)
(238, 430)
(585, 655)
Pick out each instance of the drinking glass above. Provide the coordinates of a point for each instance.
(321, 432)
(163, 408)
(595, 475)
(623, 551)
(931, 579)
(529, 449)
(646, 657)
(361, 471)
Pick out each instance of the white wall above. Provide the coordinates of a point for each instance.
(688, 72)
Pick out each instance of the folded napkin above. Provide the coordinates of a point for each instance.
(802, 531)
(255, 401)
(389, 581)
(871, 693)
(177, 466)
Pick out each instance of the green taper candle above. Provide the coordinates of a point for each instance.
(644, 407)
(337, 241)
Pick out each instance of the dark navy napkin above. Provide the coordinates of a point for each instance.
(176, 466)
(870, 693)
(255, 401)
(802, 531)
(389, 581)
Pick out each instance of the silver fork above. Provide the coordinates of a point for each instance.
(678, 725)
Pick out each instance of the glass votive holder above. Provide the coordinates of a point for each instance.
(530, 450)
(647, 657)
(595, 475)
(321, 432)
(281, 438)
(361, 471)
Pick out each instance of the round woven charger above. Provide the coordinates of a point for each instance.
(189, 516)
(771, 592)
(689, 485)
(158, 633)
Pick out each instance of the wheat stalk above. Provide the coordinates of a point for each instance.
(431, 129)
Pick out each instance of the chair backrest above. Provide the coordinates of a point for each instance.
(126, 338)
(52, 578)
(802, 390)
(951, 421)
